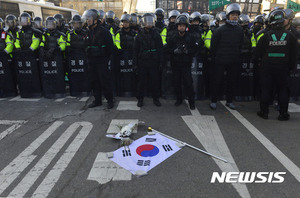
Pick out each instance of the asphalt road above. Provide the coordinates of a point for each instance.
(49, 148)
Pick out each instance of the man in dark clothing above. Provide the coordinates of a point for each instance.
(182, 48)
(61, 23)
(100, 48)
(226, 47)
(148, 59)
(171, 28)
(278, 51)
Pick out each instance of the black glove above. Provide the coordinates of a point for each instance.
(177, 51)
(49, 53)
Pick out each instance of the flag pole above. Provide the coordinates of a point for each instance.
(186, 144)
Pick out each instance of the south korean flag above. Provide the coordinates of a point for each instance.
(145, 153)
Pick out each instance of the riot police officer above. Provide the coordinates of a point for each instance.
(77, 67)
(195, 28)
(100, 49)
(61, 23)
(182, 48)
(225, 50)
(148, 58)
(38, 23)
(258, 25)
(160, 13)
(220, 19)
(125, 36)
(7, 84)
(171, 28)
(134, 22)
(11, 24)
(27, 37)
(110, 19)
(278, 51)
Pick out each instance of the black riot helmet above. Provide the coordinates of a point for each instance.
(234, 7)
(11, 21)
(77, 22)
(221, 16)
(277, 18)
(102, 14)
(204, 18)
(148, 20)
(266, 19)
(110, 16)
(25, 19)
(91, 15)
(51, 23)
(181, 19)
(173, 13)
(38, 23)
(195, 16)
(259, 19)
(160, 13)
(244, 19)
(1, 24)
(125, 17)
(60, 19)
(134, 19)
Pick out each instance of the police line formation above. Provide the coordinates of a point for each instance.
(193, 56)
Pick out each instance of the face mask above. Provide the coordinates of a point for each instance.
(256, 28)
(231, 22)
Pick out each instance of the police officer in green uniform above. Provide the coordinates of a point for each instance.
(11, 24)
(38, 23)
(278, 51)
(6, 40)
(125, 36)
(110, 20)
(61, 23)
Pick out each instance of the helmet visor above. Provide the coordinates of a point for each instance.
(24, 21)
(38, 24)
(148, 21)
(77, 25)
(11, 23)
(51, 25)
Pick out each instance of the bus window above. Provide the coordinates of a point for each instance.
(9, 8)
(51, 12)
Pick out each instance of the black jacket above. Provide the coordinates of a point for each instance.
(148, 48)
(100, 44)
(187, 45)
(226, 44)
(277, 47)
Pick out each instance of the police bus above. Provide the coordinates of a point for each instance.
(40, 9)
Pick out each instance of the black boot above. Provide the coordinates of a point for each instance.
(95, 104)
(178, 102)
(192, 105)
(110, 104)
(284, 116)
(262, 114)
(156, 102)
(140, 102)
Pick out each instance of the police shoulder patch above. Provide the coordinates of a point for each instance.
(3, 35)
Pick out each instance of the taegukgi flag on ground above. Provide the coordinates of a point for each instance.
(145, 153)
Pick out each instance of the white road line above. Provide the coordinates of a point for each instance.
(13, 170)
(105, 170)
(294, 107)
(59, 100)
(283, 159)
(15, 125)
(52, 177)
(84, 99)
(19, 99)
(41, 165)
(128, 105)
(206, 130)
(2, 99)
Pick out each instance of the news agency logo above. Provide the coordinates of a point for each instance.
(247, 177)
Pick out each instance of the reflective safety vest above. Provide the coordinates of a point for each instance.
(253, 40)
(6, 43)
(27, 39)
(163, 35)
(54, 39)
(77, 41)
(207, 38)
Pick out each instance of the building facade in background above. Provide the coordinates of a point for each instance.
(118, 6)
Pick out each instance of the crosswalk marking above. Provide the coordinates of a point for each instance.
(128, 105)
(283, 159)
(13, 170)
(15, 125)
(19, 99)
(52, 177)
(207, 131)
(293, 108)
